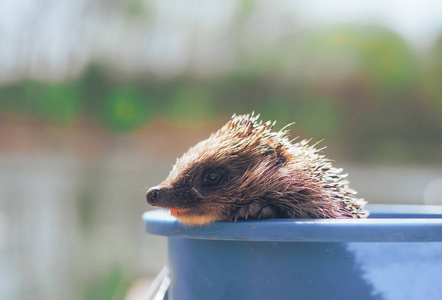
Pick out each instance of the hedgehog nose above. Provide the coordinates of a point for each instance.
(152, 195)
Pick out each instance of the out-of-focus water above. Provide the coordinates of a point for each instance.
(66, 221)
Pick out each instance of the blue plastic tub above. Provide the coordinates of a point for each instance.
(395, 254)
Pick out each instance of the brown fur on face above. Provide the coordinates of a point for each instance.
(246, 170)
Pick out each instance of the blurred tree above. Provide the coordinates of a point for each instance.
(55, 103)
(355, 83)
(433, 79)
(125, 110)
(374, 53)
(244, 9)
(189, 105)
(319, 117)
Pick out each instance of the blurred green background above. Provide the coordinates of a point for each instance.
(98, 98)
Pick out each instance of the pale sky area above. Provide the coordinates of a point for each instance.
(417, 20)
(57, 40)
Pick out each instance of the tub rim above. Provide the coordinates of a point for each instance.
(388, 223)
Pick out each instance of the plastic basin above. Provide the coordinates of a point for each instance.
(395, 254)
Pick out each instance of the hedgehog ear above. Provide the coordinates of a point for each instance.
(279, 149)
(280, 153)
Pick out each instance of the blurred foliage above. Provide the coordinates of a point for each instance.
(112, 284)
(190, 105)
(362, 87)
(381, 56)
(433, 79)
(244, 9)
(56, 103)
(126, 109)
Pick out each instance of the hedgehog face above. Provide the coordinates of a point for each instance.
(202, 186)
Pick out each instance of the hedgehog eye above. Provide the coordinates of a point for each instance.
(213, 177)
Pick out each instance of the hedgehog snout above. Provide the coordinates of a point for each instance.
(153, 195)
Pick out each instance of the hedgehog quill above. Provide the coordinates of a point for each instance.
(247, 171)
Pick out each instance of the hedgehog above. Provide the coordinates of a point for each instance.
(245, 170)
